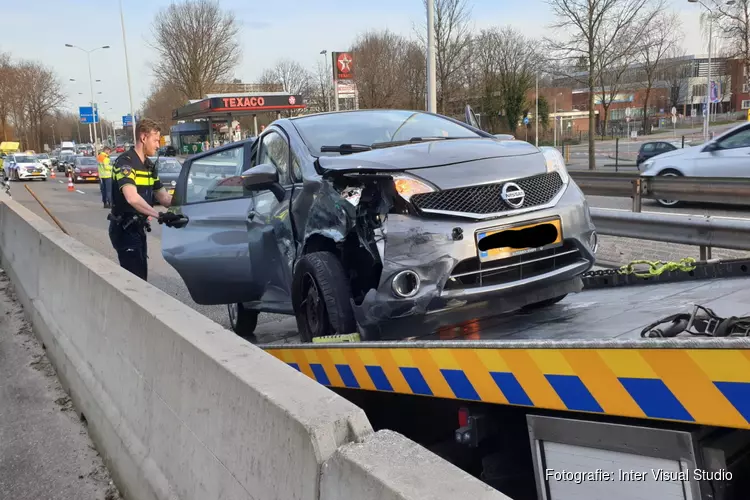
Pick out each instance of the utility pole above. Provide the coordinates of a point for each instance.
(127, 69)
(431, 74)
(536, 112)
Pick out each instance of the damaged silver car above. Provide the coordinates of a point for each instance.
(387, 222)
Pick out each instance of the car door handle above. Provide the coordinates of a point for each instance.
(251, 216)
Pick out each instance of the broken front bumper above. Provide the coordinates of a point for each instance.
(454, 286)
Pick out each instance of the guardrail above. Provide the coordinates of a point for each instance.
(725, 190)
(705, 232)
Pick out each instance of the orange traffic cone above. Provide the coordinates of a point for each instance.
(52, 173)
(71, 187)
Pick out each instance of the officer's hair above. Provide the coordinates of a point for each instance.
(146, 126)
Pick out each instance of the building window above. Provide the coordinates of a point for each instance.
(699, 90)
(745, 88)
(746, 104)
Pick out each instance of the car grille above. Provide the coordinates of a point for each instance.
(471, 273)
(485, 199)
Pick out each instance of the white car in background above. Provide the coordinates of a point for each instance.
(727, 155)
(45, 160)
(22, 167)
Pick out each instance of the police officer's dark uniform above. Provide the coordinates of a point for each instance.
(127, 227)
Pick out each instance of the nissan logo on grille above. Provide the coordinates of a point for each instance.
(513, 195)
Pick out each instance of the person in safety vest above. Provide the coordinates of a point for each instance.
(105, 177)
(135, 187)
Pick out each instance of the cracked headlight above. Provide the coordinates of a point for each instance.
(407, 186)
(555, 162)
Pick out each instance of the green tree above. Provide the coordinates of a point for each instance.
(543, 112)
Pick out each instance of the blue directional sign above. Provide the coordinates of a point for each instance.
(127, 120)
(525, 120)
(88, 114)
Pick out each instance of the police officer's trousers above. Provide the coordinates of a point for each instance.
(106, 187)
(130, 244)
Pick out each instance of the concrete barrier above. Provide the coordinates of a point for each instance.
(182, 408)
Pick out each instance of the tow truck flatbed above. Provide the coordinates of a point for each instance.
(584, 354)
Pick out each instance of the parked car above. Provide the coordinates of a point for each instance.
(727, 155)
(22, 166)
(167, 151)
(168, 169)
(120, 148)
(653, 148)
(365, 220)
(85, 169)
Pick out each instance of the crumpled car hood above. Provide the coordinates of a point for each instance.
(427, 154)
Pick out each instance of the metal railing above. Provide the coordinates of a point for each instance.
(703, 231)
(725, 190)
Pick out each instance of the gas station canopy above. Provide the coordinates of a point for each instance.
(222, 106)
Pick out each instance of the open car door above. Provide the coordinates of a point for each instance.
(471, 118)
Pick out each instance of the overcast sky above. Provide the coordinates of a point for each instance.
(298, 29)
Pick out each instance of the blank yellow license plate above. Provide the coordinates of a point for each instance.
(170, 191)
(505, 242)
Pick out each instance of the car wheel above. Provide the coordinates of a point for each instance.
(544, 303)
(322, 297)
(669, 203)
(243, 321)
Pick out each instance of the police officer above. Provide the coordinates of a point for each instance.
(105, 177)
(135, 186)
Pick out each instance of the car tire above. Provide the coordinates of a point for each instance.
(544, 303)
(242, 320)
(669, 173)
(321, 297)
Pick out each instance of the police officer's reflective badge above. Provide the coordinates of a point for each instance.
(126, 171)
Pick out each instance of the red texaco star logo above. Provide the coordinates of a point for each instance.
(292, 100)
(345, 62)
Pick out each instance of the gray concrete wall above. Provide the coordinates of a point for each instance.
(182, 408)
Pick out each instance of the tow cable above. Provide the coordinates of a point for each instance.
(657, 267)
(702, 322)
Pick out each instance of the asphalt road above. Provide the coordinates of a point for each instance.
(82, 215)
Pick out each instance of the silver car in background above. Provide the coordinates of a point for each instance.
(387, 222)
(727, 155)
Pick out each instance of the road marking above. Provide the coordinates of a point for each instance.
(79, 191)
(61, 182)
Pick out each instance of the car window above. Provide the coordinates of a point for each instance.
(739, 140)
(216, 177)
(648, 147)
(275, 150)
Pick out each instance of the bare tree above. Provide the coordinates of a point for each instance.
(517, 66)
(675, 71)
(661, 37)
(6, 87)
(485, 71)
(292, 77)
(46, 95)
(452, 47)
(414, 74)
(734, 27)
(321, 91)
(161, 101)
(379, 73)
(593, 29)
(197, 46)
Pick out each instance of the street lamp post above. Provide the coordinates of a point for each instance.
(431, 75)
(127, 69)
(91, 80)
(706, 117)
(324, 53)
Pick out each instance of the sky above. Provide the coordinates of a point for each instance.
(296, 29)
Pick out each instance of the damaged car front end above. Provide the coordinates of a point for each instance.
(476, 242)
(387, 222)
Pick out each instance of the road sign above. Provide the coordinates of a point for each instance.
(627, 117)
(674, 119)
(88, 114)
(628, 112)
(674, 111)
(525, 120)
(127, 120)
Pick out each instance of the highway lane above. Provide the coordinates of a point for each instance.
(82, 215)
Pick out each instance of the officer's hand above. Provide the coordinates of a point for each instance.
(168, 218)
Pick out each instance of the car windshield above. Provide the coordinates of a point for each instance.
(43, 156)
(87, 160)
(373, 127)
(169, 166)
(25, 159)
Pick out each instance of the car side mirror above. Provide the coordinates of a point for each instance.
(261, 177)
(710, 147)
